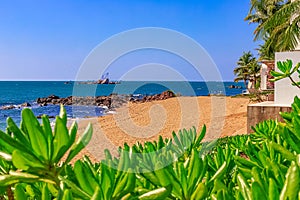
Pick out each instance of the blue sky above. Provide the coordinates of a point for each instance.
(49, 40)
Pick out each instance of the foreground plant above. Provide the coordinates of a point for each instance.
(286, 70)
(263, 165)
(35, 152)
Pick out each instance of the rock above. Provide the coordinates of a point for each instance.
(40, 116)
(53, 97)
(41, 100)
(26, 104)
(54, 101)
(107, 103)
(234, 87)
(8, 107)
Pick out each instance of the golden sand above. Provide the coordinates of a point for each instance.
(223, 116)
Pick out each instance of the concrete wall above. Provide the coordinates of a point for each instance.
(263, 111)
(263, 76)
(284, 91)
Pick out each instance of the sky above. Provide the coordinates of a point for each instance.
(51, 39)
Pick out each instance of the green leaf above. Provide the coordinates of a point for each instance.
(14, 144)
(151, 177)
(218, 185)
(244, 187)
(130, 183)
(35, 133)
(200, 137)
(46, 195)
(67, 195)
(17, 177)
(120, 185)
(20, 193)
(97, 194)
(81, 143)
(20, 136)
(273, 189)
(85, 177)
(160, 193)
(288, 64)
(296, 68)
(257, 177)
(287, 154)
(164, 180)
(243, 162)
(293, 142)
(24, 161)
(77, 190)
(282, 66)
(73, 133)
(60, 140)
(200, 192)
(277, 74)
(107, 181)
(221, 171)
(292, 183)
(194, 169)
(48, 133)
(257, 192)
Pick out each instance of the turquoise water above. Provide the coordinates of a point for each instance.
(18, 92)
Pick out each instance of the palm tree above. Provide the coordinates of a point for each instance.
(266, 51)
(247, 68)
(254, 72)
(278, 24)
(259, 12)
(282, 28)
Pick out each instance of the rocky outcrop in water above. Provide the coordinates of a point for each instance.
(72, 100)
(26, 104)
(9, 107)
(111, 101)
(234, 87)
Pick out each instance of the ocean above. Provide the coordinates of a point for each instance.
(18, 92)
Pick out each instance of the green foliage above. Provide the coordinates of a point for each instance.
(247, 69)
(286, 71)
(33, 152)
(263, 165)
(277, 25)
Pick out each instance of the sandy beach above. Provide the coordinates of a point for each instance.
(223, 116)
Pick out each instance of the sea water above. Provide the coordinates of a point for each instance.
(18, 92)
